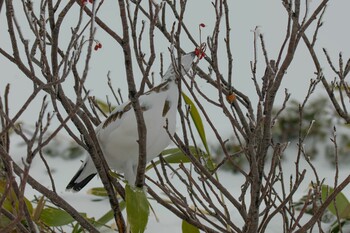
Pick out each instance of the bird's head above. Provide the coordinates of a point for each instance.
(186, 61)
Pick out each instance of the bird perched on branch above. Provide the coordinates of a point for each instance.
(118, 134)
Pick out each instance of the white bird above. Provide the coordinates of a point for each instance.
(118, 134)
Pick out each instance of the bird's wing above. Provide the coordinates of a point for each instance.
(115, 119)
(122, 114)
(122, 111)
(125, 115)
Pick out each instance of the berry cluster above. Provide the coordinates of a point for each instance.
(97, 46)
(200, 51)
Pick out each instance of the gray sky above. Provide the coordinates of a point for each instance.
(245, 16)
(269, 15)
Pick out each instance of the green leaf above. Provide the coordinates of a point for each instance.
(11, 203)
(39, 208)
(77, 228)
(101, 221)
(98, 191)
(342, 204)
(104, 106)
(55, 217)
(104, 219)
(200, 128)
(116, 175)
(11, 199)
(109, 215)
(335, 227)
(175, 155)
(197, 120)
(188, 228)
(137, 208)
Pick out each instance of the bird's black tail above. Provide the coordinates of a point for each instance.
(79, 180)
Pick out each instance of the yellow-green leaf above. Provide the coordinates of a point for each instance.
(200, 128)
(11, 199)
(175, 155)
(342, 205)
(137, 208)
(197, 120)
(98, 191)
(39, 208)
(108, 216)
(188, 228)
(104, 106)
(55, 217)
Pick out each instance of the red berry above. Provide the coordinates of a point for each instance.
(99, 45)
(199, 53)
(196, 51)
(91, 1)
(202, 25)
(230, 98)
(96, 47)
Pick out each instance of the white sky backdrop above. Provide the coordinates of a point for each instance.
(244, 17)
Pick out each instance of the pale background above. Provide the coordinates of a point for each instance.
(269, 15)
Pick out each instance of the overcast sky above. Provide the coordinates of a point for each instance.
(269, 15)
(245, 15)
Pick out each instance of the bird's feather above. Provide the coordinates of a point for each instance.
(118, 133)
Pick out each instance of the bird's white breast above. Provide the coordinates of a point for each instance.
(118, 139)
